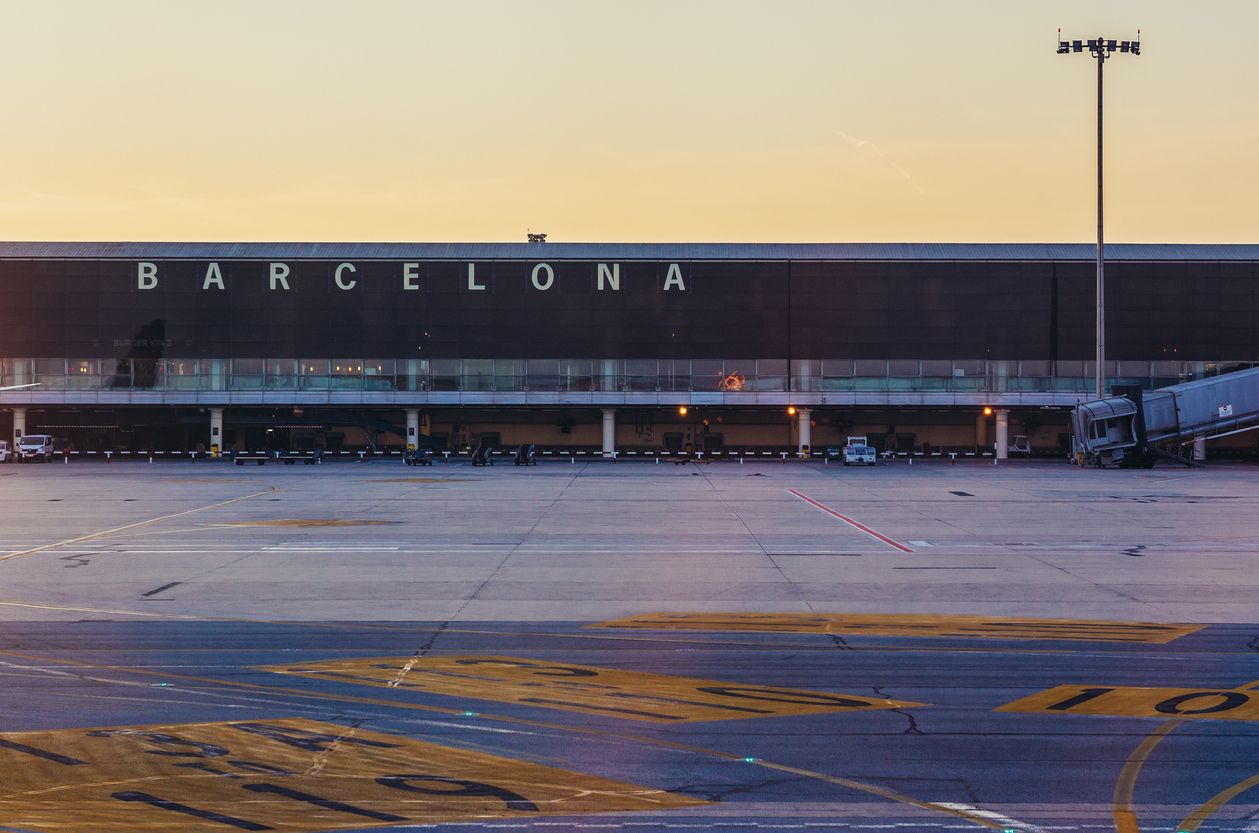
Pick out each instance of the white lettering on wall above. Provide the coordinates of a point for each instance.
(472, 284)
(673, 278)
(280, 275)
(336, 275)
(613, 277)
(213, 277)
(411, 276)
(146, 277)
(550, 276)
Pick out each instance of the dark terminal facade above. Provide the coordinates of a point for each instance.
(177, 347)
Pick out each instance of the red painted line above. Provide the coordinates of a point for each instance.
(854, 524)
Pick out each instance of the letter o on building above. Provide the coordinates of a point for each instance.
(550, 276)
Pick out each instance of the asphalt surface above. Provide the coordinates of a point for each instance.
(595, 646)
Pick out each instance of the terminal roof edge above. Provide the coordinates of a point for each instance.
(631, 251)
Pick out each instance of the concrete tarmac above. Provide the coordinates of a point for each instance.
(1026, 646)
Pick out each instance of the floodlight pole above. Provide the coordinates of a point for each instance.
(1100, 50)
(1100, 391)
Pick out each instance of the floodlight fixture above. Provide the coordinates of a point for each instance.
(1100, 49)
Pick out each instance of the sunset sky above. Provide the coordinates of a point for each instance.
(657, 120)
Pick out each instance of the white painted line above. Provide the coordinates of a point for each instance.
(327, 549)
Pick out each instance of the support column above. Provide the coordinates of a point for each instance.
(1003, 434)
(413, 428)
(981, 431)
(805, 433)
(216, 432)
(609, 431)
(19, 426)
(1199, 445)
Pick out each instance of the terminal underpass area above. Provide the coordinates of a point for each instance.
(1026, 646)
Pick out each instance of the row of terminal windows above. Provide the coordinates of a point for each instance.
(619, 375)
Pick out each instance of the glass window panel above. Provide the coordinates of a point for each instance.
(445, 374)
(640, 374)
(968, 367)
(838, 368)
(675, 374)
(478, 374)
(904, 368)
(414, 374)
(937, 368)
(1069, 369)
(707, 374)
(509, 374)
(771, 374)
(575, 374)
(542, 374)
(871, 368)
(281, 374)
(1131, 368)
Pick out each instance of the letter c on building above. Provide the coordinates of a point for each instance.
(336, 276)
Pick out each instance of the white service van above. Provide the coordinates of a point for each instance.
(858, 452)
(35, 447)
(6, 453)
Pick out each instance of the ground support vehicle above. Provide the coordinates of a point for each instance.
(35, 447)
(418, 457)
(858, 452)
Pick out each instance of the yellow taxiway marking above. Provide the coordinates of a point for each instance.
(633, 695)
(292, 775)
(1121, 801)
(972, 815)
(1140, 701)
(910, 624)
(1195, 819)
(305, 522)
(103, 533)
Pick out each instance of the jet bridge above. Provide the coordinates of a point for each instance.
(1136, 426)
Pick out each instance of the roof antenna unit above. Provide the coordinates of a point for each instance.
(536, 238)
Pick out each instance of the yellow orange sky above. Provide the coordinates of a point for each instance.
(658, 120)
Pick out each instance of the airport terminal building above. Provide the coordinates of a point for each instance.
(184, 346)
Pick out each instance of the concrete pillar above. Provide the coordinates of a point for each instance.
(216, 432)
(1199, 445)
(413, 428)
(1003, 434)
(19, 426)
(805, 434)
(609, 431)
(981, 431)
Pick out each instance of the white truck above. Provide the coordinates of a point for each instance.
(6, 454)
(35, 447)
(858, 452)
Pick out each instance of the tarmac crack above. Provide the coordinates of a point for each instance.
(913, 720)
